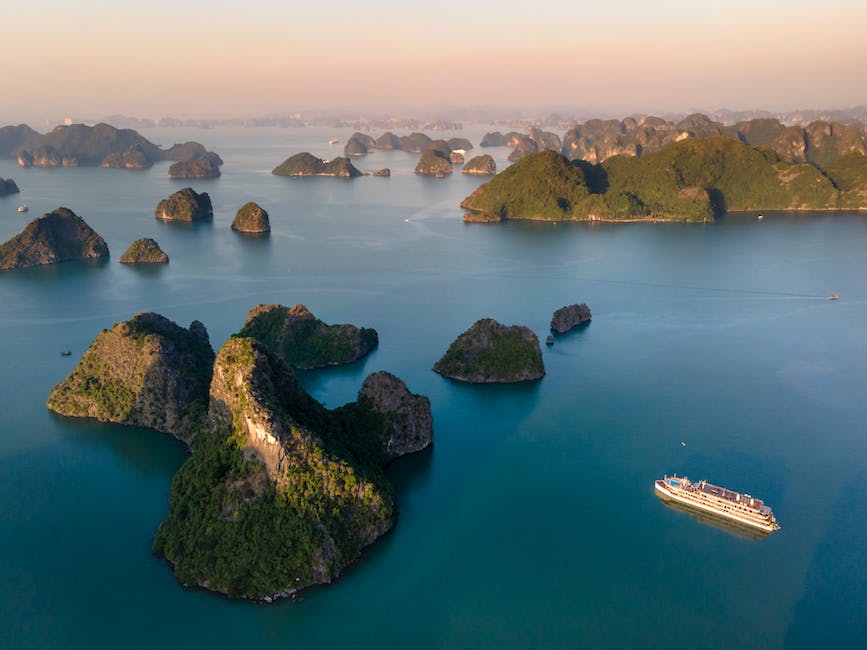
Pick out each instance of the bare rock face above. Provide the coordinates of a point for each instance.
(251, 218)
(185, 205)
(483, 165)
(570, 316)
(58, 236)
(144, 251)
(146, 372)
(384, 172)
(303, 340)
(408, 420)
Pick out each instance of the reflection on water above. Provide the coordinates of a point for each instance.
(720, 523)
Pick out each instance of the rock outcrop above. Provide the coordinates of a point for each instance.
(456, 158)
(281, 493)
(407, 417)
(8, 186)
(388, 141)
(306, 164)
(58, 236)
(433, 163)
(146, 372)
(207, 166)
(483, 165)
(415, 142)
(570, 316)
(490, 352)
(144, 251)
(385, 172)
(524, 147)
(185, 205)
(251, 218)
(303, 340)
(133, 158)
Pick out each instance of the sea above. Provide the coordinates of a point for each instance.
(713, 352)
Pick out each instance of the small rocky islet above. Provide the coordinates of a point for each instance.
(434, 162)
(251, 218)
(57, 236)
(268, 462)
(569, 317)
(490, 352)
(144, 251)
(185, 205)
(8, 186)
(482, 165)
(204, 166)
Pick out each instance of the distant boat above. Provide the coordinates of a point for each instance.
(23, 208)
(333, 141)
(549, 340)
(833, 296)
(761, 216)
(66, 353)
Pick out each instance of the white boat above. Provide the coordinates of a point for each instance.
(741, 508)
(23, 208)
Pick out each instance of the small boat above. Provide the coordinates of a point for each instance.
(66, 353)
(23, 208)
(683, 443)
(333, 141)
(549, 340)
(760, 217)
(833, 296)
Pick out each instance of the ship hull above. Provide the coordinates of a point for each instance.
(665, 493)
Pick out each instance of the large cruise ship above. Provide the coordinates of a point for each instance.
(741, 508)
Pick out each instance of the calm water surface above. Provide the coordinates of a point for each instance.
(533, 521)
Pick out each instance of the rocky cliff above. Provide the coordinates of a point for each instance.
(146, 372)
(58, 236)
(570, 316)
(252, 218)
(185, 205)
(490, 352)
(303, 340)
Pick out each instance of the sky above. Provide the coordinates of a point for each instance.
(214, 59)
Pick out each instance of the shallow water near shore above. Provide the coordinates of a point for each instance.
(532, 522)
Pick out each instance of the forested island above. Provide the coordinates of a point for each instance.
(279, 493)
(695, 179)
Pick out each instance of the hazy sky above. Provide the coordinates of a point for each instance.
(211, 58)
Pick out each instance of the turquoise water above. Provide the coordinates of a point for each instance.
(533, 521)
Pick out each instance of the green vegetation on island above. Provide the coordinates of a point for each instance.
(144, 251)
(206, 166)
(691, 180)
(303, 340)
(434, 162)
(483, 165)
(490, 352)
(58, 236)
